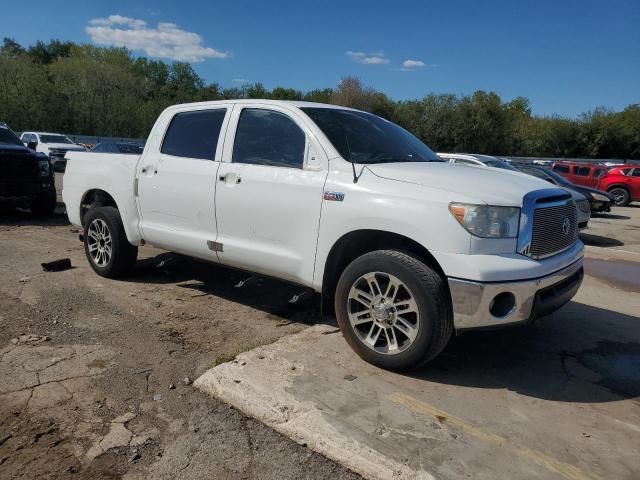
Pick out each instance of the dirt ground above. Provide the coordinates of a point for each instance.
(95, 374)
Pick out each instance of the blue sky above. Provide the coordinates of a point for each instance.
(566, 56)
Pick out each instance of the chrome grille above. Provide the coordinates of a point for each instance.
(554, 229)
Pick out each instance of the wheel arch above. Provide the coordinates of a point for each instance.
(93, 198)
(619, 185)
(358, 242)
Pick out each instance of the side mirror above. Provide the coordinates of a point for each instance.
(32, 145)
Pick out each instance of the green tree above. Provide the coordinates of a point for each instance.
(85, 89)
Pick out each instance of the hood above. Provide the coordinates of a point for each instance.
(10, 149)
(65, 146)
(493, 186)
(18, 162)
(586, 191)
(575, 193)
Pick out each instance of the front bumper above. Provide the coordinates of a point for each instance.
(598, 206)
(20, 188)
(493, 304)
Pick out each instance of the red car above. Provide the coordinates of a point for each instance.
(622, 182)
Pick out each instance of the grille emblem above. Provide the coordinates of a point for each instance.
(566, 226)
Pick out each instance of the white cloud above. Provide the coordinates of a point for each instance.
(376, 58)
(167, 40)
(240, 80)
(413, 64)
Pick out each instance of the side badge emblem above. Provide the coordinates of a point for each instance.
(334, 196)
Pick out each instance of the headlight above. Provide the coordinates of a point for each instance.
(44, 168)
(583, 206)
(486, 221)
(600, 197)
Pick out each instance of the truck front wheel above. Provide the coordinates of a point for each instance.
(105, 243)
(393, 310)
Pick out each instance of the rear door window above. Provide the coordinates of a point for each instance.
(581, 171)
(636, 172)
(194, 134)
(561, 168)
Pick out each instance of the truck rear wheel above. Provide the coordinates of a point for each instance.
(105, 243)
(393, 310)
(44, 204)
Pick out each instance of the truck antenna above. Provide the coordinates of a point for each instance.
(353, 165)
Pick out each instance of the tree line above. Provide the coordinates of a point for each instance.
(88, 90)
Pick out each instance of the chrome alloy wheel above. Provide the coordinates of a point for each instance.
(618, 196)
(99, 242)
(383, 313)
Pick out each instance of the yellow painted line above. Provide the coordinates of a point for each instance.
(568, 471)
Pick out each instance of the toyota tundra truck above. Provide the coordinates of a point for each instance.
(407, 248)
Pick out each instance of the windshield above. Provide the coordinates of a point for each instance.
(559, 179)
(366, 138)
(7, 136)
(54, 139)
(500, 164)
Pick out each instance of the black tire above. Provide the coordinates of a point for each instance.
(44, 204)
(122, 259)
(621, 197)
(429, 291)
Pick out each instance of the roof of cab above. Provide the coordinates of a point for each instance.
(45, 133)
(259, 101)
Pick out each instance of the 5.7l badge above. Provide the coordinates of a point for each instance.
(334, 196)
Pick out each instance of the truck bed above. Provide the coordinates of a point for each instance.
(112, 172)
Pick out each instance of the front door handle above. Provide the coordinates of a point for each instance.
(223, 178)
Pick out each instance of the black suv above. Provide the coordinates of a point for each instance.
(26, 177)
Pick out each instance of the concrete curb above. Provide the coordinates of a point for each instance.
(303, 422)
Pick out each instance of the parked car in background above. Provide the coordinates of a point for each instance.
(407, 248)
(476, 159)
(599, 201)
(26, 177)
(580, 173)
(543, 163)
(53, 145)
(621, 182)
(118, 147)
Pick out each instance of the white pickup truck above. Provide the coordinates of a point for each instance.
(408, 248)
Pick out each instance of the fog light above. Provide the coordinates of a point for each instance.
(502, 304)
